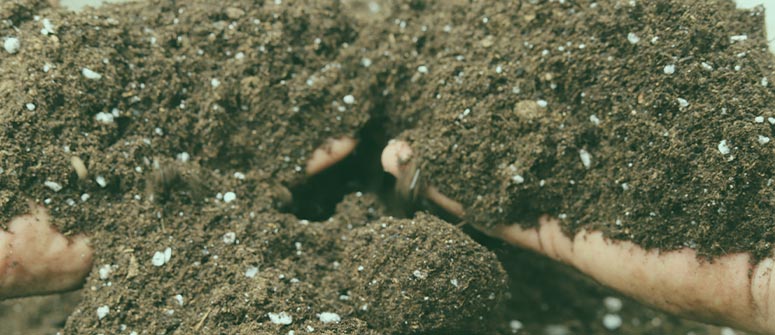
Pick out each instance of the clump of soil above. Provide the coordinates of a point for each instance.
(648, 120)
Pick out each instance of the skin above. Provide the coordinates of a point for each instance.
(36, 259)
(728, 291)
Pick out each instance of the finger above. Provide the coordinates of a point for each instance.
(329, 153)
(36, 259)
(726, 291)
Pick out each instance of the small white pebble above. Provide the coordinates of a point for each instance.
(89, 74)
(12, 45)
(183, 157)
(349, 99)
(765, 82)
(85, 197)
(215, 82)
(30, 106)
(634, 39)
(54, 186)
(229, 237)
(517, 179)
(738, 38)
(229, 197)
(706, 66)
(723, 148)
(586, 158)
(281, 318)
(763, 140)
(759, 119)
(328, 317)
(239, 175)
(419, 274)
(366, 62)
(669, 69)
(542, 103)
(102, 312)
(771, 120)
(613, 304)
(103, 117)
(682, 103)
(158, 258)
(593, 118)
(612, 321)
(179, 299)
(515, 325)
(105, 271)
(422, 69)
(727, 331)
(101, 181)
(251, 272)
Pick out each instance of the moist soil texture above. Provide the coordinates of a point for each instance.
(194, 121)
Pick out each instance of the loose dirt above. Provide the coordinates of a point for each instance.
(194, 121)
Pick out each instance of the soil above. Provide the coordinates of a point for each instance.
(661, 98)
(194, 121)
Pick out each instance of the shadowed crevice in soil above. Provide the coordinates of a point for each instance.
(316, 198)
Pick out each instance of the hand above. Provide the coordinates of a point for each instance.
(36, 259)
(727, 291)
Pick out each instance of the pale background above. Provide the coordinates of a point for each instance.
(768, 4)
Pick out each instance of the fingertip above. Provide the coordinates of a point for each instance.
(330, 153)
(396, 153)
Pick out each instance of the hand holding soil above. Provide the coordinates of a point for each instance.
(631, 140)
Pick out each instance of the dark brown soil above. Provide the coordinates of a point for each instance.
(650, 115)
(214, 97)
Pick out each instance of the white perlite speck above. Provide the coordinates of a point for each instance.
(515, 325)
(251, 272)
(89, 74)
(727, 331)
(586, 158)
(669, 69)
(517, 179)
(229, 237)
(738, 38)
(160, 258)
(229, 197)
(101, 181)
(349, 99)
(723, 148)
(54, 186)
(419, 274)
(613, 304)
(612, 321)
(763, 139)
(30, 106)
(179, 299)
(183, 157)
(281, 318)
(593, 118)
(682, 103)
(12, 45)
(422, 69)
(103, 117)
(328, 317)
(104, 272)
(215, 82)
(542, 103)
(102, 312)
(634, 39)
(48, 27)
(759, 119)
(765, 82)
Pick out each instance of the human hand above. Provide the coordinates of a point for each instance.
(37, 259)
(729, 290)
